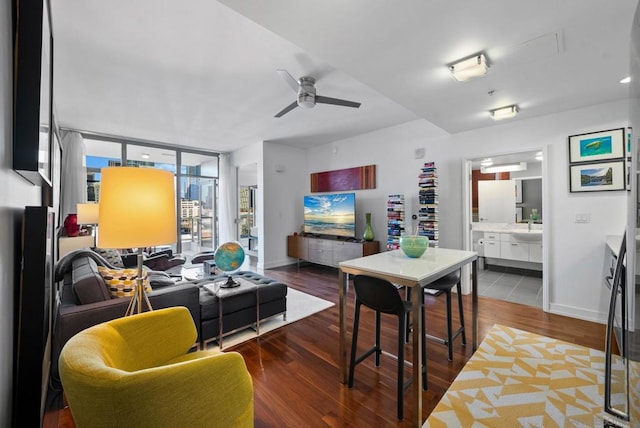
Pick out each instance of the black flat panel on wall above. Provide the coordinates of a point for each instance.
(32, 90)
(32, 317)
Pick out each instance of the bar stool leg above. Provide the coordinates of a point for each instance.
(459, 290)
(401, 326)
(378, 347)
(449, 326)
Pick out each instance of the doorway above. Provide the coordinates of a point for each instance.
(504, 223)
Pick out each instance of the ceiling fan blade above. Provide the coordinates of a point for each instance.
(287, 109)
(336, 101)
(291, 81)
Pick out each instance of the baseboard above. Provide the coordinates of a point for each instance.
(514, 270)
(573, 312)
(278, 263)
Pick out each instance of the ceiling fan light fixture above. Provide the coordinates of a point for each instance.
(468, 68)
(306, 100)
(504, 112)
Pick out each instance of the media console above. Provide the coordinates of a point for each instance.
(327, 251)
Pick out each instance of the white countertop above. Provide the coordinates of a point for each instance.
(506, 227)
(421, 270)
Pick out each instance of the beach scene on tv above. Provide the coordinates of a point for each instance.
(332, 214)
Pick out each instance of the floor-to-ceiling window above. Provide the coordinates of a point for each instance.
(196, 175)
(198, 199)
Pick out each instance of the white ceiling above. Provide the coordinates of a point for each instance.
(203, 73)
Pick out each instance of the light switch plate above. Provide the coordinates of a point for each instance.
(583, 217)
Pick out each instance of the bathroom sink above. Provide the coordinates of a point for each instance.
(527, 235)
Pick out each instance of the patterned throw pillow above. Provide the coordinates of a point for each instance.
(122, 282)
(110, 255)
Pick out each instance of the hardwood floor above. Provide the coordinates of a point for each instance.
(295, 368)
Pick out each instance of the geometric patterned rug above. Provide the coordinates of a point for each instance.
(521, 379)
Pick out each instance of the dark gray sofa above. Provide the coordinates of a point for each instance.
(83, 299)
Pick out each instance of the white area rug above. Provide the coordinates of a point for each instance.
(299, 305)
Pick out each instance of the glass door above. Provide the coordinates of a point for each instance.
(197, 208)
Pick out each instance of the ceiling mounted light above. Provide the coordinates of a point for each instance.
(145, 156)
(486, 162)
(504, 112)
(539, 156)
(626, 79)
(469, 68)
(507, 167)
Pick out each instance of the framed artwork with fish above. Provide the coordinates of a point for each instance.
(597, 146)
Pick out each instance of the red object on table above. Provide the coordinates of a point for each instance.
(71, 226)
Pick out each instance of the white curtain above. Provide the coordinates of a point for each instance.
(74, 173)
(227, 225)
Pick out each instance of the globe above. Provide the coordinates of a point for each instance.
(229, 258)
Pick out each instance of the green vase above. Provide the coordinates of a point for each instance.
(368, 231)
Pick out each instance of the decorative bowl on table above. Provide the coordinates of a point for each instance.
(414, 246)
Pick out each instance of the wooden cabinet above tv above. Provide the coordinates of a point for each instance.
(328, 252)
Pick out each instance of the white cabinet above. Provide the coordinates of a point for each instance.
(514, 251)
(506, 246)
(535, 252)
(492, 245)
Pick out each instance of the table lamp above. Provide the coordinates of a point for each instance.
(137, 209)
(88, 215)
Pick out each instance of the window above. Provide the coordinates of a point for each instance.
(196, 173)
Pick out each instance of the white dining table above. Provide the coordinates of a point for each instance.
(416, 273)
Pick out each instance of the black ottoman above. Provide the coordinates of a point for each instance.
(239, 309)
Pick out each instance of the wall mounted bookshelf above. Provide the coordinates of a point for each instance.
(428, 214)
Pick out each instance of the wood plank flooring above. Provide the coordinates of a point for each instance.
(295, 368)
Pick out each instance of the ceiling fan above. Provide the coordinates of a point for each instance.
(307, 97)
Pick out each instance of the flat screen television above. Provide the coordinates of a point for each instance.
(331, 214)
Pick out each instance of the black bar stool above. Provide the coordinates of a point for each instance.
(446, 284)
(383, 297)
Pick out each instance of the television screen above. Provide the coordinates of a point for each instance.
(330, 214)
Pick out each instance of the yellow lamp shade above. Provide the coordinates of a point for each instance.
(87, 213)
(137, 208)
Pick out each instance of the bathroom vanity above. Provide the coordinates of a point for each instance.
(512, 245)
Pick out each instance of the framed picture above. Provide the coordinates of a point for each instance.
(596, 177)
(597, 146)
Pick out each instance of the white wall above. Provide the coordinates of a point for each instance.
(285, 181)
(16, 193)
(576, 250)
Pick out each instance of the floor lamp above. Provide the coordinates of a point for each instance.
(88, 216)
(137, 209)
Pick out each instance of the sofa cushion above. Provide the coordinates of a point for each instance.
(110, 255)
(122, 282)
(88, 285)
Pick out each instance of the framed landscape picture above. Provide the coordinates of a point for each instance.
(597, 146)
(595, 177)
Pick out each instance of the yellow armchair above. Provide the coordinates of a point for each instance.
(137, 371)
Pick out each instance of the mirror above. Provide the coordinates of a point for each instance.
(500, 195)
